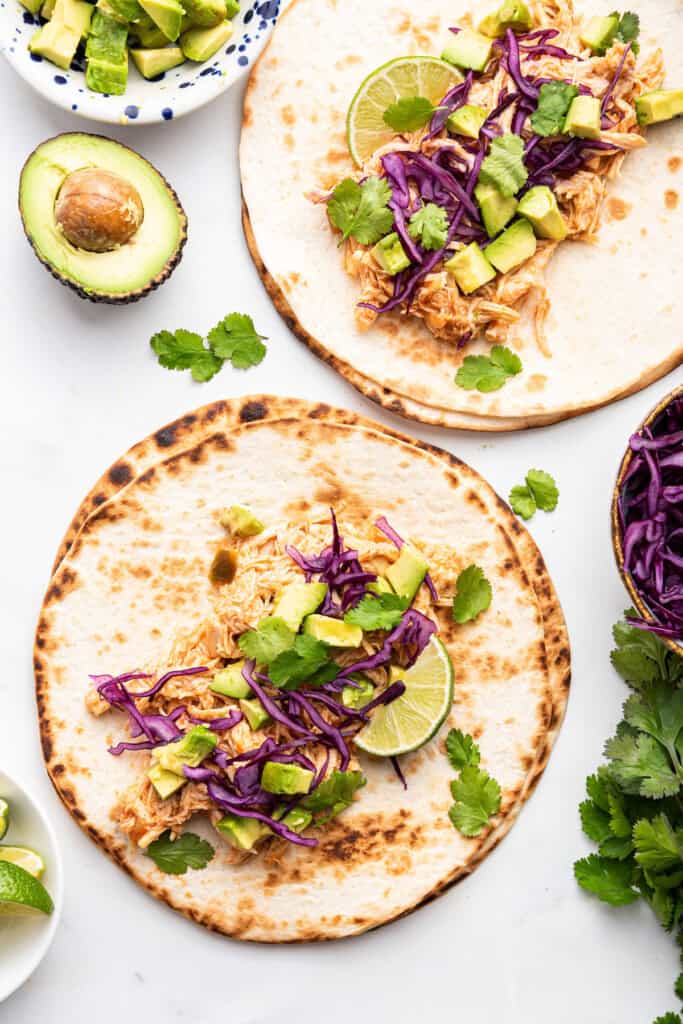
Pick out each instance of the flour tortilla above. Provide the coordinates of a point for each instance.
(392, 850)
(617, 306)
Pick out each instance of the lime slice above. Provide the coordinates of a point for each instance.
(400, 78)
(408, 722)
(4, 818)
(27, 859)
(21, 894)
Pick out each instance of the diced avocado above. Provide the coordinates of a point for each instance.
(191, 749)
(151, 38)
(514, 246)
(512, 14)
(242, 833)
(380, 586)
(151, 63)
(125, 10)
(255, 714)
(107, 77)
(166, 783)
(469, 49)
(358, 697)
(391, 255)
(233, 8)
(540, 208)
(583, 117)
(33, 6)
(47, 10)
(407, 572)
(661, 105)
(201, 43)
(297, 819)
(496, 210)
(56, 42)
(167, 14)
(470, 268)
(296, 601)
(598, 33)
(467, 120)
(106, 54)
(286, 779)
(230, 682)
(74, 14)
(206, 13)
(334, 632)
(241, 521)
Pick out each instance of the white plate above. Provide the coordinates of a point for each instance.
(175, 93)
(25, 941)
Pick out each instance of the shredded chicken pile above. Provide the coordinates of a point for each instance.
(496, 308)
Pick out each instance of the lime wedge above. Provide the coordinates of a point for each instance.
(22, 894)
(366, 130)
(4, 818)
(27, 859)
(408, 722)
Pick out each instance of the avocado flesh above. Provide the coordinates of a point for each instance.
(106, 54)
(514, 246)
(206, 13)
(75, 14)
(333, 632)
(598, 33)
(469, 50)
(121, 274)
(191, 749)
(584, 117)
(658, 106)
(241, 521)
(512, 14)
(151, 38)
(470, 268)
(56, 42)
(407, 572)
(199, 44)
(126, 10)
(391, 255)
(286, 779)
(47, 10)
(468, 121)
(151, 63)
(539, 207)
(380, 586)
(242, 833)
(229, 682)
(496, 210)
(166, 783)
(255, 714)
(297, 600)
(31, 5)
(167, 14)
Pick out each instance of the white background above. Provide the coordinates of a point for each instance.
(518, 942)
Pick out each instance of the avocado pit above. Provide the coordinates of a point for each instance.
(98, 210)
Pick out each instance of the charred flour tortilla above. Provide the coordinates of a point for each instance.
(615, 305)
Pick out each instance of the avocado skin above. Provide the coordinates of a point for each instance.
(107, 297)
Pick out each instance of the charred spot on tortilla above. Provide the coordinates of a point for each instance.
(120, 474)
(223, 567)
(252, 411)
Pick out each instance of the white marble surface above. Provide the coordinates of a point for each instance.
(78, 384)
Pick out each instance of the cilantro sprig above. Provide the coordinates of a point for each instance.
(472, 596)
(488, 373)
(290, 658)
(554, 100)
(175, 856)
(504, 166)
(333, 795)
(475, 794)
(362, 211)
(538, 491)
(409, 114)
(626, 31)
(233, 339)
(381, 611)
(429, 226)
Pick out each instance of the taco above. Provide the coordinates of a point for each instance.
(472, 225)
(311, 830)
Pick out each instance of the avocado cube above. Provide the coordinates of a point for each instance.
(199, 44)
(407, 572)
(333, 632)
(470, 268)
(469, 50)
(107, 39)
(296, 601)
(230, 682)
(151, 63)
(56, 42)
(191, 749)
(241, 522)
(166, 14)
(496, 210)
(149, 37)
(107, 77)
(540, 208)
(166, 783)
(206, 13)
(598, 33)
(32, 5)
(47, 10)
(286, 779)
(584, 117)
(233, 8)
(242, 833)
(358, 697)
(467, 120)
(74, 14)
(514, 246)
(391, 255)
(658, 106)
(255, 714)
(380, 586)
(297, 819)
(125, 10)
(512, 14)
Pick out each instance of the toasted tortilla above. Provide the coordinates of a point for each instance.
(616, 306)
(136, 573)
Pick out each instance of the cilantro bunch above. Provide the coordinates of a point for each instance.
(634, 809)
(233, 339)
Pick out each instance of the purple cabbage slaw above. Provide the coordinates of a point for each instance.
(650, 507)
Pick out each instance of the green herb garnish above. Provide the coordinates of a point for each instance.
(539, 491)
(628, 30)
(472, 596)
(409, 114)
(361, 211)
(476, 794)
(234, 339)
(429, 226)
(305, 659)
(488, 373)
(333, 795)
(554, 101)
(504, 166)
(383, 611)
(461, 750)
(175, 856)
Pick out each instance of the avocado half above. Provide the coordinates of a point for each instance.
(127, 270)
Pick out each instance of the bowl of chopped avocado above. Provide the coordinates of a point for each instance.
(134, 61)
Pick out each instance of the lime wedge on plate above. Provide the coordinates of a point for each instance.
(408, 722)
(21, 893)
(366, 130)
(27, 859)
(4, 818)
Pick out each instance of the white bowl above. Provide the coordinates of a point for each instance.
(175, 93)
(24, 941)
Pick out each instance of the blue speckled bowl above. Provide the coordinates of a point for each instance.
(171, 95)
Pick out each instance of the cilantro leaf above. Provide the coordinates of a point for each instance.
(522, 501)
(488, 373)
(306, 657)
(265, 643)
(504, 166)
(616, 848)
(597, 788)
(639, 765)
(609, 880)
(175, 856)
(641, 657)
(543, 488)
(361, 211)
(473, 595)
(235, 338)
(595, 822)
(554, 101)
(383, 611)
(668, 1018)
(334, 795)
(461, 750)
(184, 350)
(660, 715)
(409, 114)
(477, 798)
(628, 30)
(429, 226)
(658, 847)
(678, 987)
